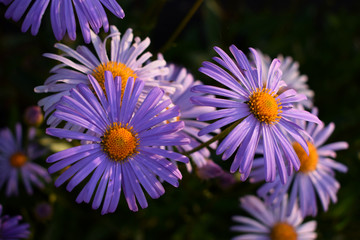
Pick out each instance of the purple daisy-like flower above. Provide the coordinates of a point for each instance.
(254, 105)
(291, 76)
(127, 59)
(90, 14)
(315, 178)
(15, 161)
(184, 81)
(272, 223)
(124, 152)
(10, 229)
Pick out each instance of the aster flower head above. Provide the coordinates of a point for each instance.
(291, 76)
(11, 229)
(124, 152)
(16, 160)
(315, 178)
(253, 103)
(183, 81)
(90, 14)
(272, 223)
(127, 59)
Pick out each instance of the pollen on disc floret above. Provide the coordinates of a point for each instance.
(119, 142)
(283, 231)
(265, 105)
(117, 69)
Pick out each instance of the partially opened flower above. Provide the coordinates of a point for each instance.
(253, 104)
(315, 178)
(11, 229)
(16, 162)
(272, 223)
(90, 14)
(121, 153)
(291, 76)
(209, 170)
(127, 59)
(184, 81)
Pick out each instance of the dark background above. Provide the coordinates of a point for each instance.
(323, 36)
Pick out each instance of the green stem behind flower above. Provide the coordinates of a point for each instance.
(182, 25)
(221, 135)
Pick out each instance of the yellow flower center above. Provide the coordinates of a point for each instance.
(119, 142)
(265, 106)
(283, 231)
(309, 162)
(117, 69)
(18, 159)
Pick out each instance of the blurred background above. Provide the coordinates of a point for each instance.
(323, 36)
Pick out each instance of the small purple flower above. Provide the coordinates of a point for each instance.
(10, 229)
(253, 101)
(121, 152)
(127, 59)
(315, 178)
(183, 81)
(272, 223)
(15, 161)
(90, 14)
(291, 76)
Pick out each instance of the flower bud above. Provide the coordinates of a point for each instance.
(33, 116)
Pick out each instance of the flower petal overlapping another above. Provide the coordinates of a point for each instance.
(121, 152)
(253, 102)
(90, 15)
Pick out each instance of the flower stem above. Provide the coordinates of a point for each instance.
(221, 135)
(182, 25)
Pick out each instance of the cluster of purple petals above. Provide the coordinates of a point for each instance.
(90, 14)
(11, 229)
(180, 78)
(96, 112)
(241, 80)
(305, 188)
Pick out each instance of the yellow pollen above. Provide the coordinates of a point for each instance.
(18, 159)
(265, 106)
(309, 162)
(119, 142)
(117, 69)
(283, 231)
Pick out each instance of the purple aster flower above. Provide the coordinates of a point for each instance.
(90, 14)
(272, 223)
(124, 152)
(254, 105)
(183, 81)
(127, 60)
(10, 229)
(15, 161)
(291, 76)
(315, 178)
